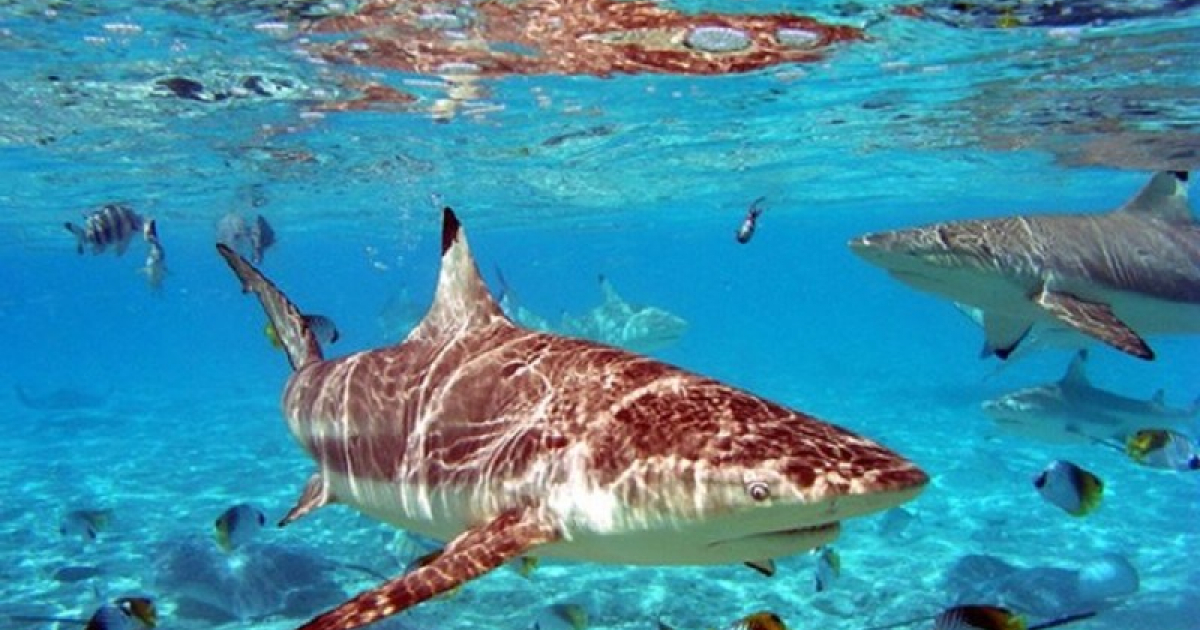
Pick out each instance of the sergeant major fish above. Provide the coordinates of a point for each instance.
(113, 225)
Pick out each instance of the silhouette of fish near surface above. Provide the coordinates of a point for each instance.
(1073, 410)
(506, 442)
(1116, 276)
(61, 399)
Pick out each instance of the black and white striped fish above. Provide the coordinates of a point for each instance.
(113, 225)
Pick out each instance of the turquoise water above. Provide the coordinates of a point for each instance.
(559, 179)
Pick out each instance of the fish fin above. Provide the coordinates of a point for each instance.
(505, 291)
(765, 567)
(1062, 621)
(1091, 491)
(607, 290)
(1165, 197)
(462, 300)
(298, 339)
(80, 236)
(1159, 398)
(470, 555)
(1095, 319)
(1002, 334)
(973, 313)
(316, 494)
(1077, 370)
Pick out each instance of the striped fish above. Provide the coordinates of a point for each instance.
(113, 225)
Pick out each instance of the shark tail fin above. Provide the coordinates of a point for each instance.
(292, 327)
(1165, 196)
(462, 300)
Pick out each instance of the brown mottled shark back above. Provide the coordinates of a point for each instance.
(504, 442)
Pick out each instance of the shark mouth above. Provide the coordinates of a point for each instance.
(823, 530)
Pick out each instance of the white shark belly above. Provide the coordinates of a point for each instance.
(593, 531)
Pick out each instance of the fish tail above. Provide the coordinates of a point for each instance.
(80, 236)
(298, 339)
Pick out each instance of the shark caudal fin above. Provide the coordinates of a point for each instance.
(462, 300)
(475, 552)
(291, 326)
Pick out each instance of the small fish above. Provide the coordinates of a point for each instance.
(113, 225)
(155, 268)
(75, 573)
(524, 566)
(251, 240)
(562, 617)
(1162, 448)
(763, 620)
(125, 613)
(978, 618)
(745, 231)
(1069, 487)
(262, 237)
(237, 525)
(323, 327)
(829, 568)
(982, 617)
(85, 523)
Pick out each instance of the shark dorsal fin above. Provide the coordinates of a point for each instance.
(1165, 197)
(1077, 370)
(609, 293)
(462, 300)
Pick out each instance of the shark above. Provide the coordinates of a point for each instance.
(639, 328)
(1073, 410)
(504, 442)
(61, 399)
(1116, 276)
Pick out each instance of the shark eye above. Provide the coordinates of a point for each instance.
(758, 490)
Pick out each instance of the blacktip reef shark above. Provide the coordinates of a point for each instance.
(506, 442)
(1115, 276)
(634, 327)
(1073, 410)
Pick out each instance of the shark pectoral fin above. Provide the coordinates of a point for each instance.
(315, 494)
(1095, 319)
(299, 341)
(765, 567)
(475, 552)
(1002, 334)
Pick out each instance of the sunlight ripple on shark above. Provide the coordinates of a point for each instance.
(508, 442)
(1115, 276)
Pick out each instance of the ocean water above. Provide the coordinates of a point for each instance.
(163, 406)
